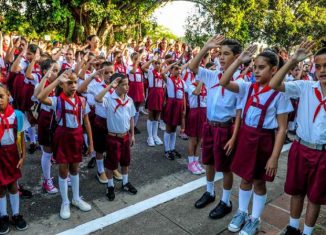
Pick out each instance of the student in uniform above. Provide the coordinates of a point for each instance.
(12, 151)
(71, 111)
(306, 172)
(219, 137)
(261, 136)
(69, 60)
(120, 112)
(119, 64)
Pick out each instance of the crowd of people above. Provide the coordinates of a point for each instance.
(235, 106)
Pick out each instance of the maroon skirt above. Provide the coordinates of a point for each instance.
(100, 132)
(136, 91)
(173, 110)
(9, 158)
(195, 121)
(155, 99)
(10, 82)
(18, 89)
(67, 145)
(27, 93)
(44, 132)
(254, 148)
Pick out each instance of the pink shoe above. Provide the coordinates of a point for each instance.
(49, 187)
(200, 168)
(193, 169)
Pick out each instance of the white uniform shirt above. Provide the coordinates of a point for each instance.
(312, 132)
(8, 137)
(93, 89)
(188, 76)
(170, 88)
(36, 79)
(118, 119)
(193, 99)
(71, 119)
(138, 74)
(23, 65)
(281, 104)
(158, 82)
(219, 108)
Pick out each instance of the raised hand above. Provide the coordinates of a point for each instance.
(248, 54)
(214, 41)
(115, 82)
(37, 55)
(303, 51)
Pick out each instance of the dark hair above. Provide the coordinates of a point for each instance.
(321, 51)
(90, 37)
(233, 44)
(175, 65)
(168, 56)
(118, 75)
(133, 54)
(32, 48)
(46, 64)
(106, 63)
(47, 55)
(271, 57)
(209, 65)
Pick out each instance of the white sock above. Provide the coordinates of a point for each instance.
(150, 129)
(100, 166)
(155, 128)
(210, 187)
(173, 137)
(31, 134)
(124, 179)
(196, 159)
(167, 141)
(258, 205)
(14, 202)
(110, 183)
(136, 118)
(307, 230)
(190, 159)
(294, 223)
(63, 186)
(3, 206)
(46, 165)
(85, 139)
(226, 196)
(75, 186)
(244, 199)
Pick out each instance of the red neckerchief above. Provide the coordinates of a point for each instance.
(47, 83)
(73, 105)
(176, 82)
(322, 103)
(203, 91)
(4, 124)
(306, 78)
(192, 76)
(156, 76)
(120, 103)
(100, 81)
(120, 67)
(256, 95)
(219, 76)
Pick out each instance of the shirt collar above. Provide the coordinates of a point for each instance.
(115, 96)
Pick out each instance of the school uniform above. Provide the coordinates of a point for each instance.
(174, 106)
(221, 111)
(197, 112)
(156, 91)
(120, 68)
(64, 65)
(136, 85)
(9, 155)
(306, 174)
(28, 90)
(118, 115)
(3, 69)
(68, 136)
(257, 133)
(16, 81)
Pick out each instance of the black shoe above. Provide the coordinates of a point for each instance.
(91, 163)
(176, 153)
(292, 231)
(19, 222)
(129, 188)
(137, 131)
(32, 148)
(169, 155)
(24, 193)
(220, 210)
(204, 200)
(4, 224)
(110, 193)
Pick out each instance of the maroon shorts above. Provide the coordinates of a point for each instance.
(100, 132)
(136, 91)
(155, 99)
(44, 132)
(254, 148)
(306, 173)
(173, 110)
(118, 151)
(213, 153)
(9, 158)
(195, 122)
(68, 145)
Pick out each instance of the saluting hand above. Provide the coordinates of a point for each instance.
(214, 41)
(248, 54)
(304, 51)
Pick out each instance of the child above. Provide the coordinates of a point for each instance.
(218, 135)
(70, 113)
(120, 112)
(307, 157)
(69, 61)
(261, 135)
(12, 151)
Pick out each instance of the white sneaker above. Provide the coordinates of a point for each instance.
(150, 142)
(157, 140)
(142, 110)
(162, 126)
(200, 168)
(65, 211)
(81, 204)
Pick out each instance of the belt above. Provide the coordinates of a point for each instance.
(118, 134)
(221, 124)
(320, 147)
